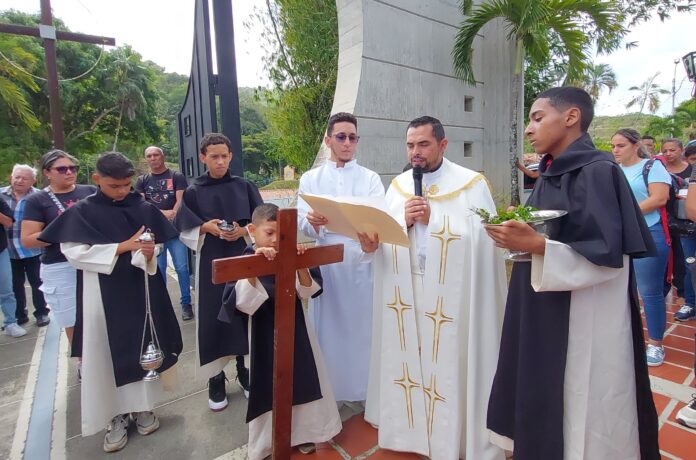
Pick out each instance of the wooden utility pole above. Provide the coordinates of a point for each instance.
(49, 34)
(283, 267)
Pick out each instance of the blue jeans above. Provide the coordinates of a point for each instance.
(650, 275)
(689, 246)
(7, 298)
(179, 254)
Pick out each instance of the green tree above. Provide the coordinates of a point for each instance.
(92, 95)
(301, 42)
(638, 11)
(171, 90)
(577, 24)
(15, 84)
(649, 93)
(544, 75)
(682, 123)
(598, 77)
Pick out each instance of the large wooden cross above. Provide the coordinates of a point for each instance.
(49, 34)
(283, 267)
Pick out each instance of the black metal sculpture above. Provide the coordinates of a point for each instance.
(199, 114)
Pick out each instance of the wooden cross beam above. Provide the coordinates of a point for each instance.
(284, 268)
(49, 34)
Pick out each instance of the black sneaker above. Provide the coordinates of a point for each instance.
(243, 380)
(42, 320)
(186, 311)
(217, 397)
(23, 320)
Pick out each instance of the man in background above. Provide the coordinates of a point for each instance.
(24, 261)
(650, 144)
(164, 188)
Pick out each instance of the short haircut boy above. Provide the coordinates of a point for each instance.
(214, 139)
(267, 212)
(565, 97)
(115, 165)
(339, 118)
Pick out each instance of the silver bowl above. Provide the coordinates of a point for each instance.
(545, 222)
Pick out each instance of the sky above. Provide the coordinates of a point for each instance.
(162, 31)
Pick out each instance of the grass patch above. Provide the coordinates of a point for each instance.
(282, 185)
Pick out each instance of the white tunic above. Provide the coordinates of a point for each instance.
(599, 392)
(316, 421)
(437, 323)
(101, 399)
(194, 240)
(342, 315)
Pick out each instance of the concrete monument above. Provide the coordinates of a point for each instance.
(395, 64)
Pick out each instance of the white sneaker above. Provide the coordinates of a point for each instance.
(687, 415)
(15, 330)
(116, 436)
(146, 422)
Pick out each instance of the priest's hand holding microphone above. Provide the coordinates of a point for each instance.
(417, 208)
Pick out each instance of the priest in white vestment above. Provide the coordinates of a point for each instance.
(438, 310)
(342, 316)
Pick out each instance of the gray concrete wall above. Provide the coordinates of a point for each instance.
(395, 64)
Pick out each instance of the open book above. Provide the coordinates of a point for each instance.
(351, 215)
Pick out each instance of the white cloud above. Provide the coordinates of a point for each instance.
(659, 44)
(160, 30)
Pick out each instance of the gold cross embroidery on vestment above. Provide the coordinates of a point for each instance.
(407, 384)
(445, 236)
(438, 318)
(433, 397)
(399, 308)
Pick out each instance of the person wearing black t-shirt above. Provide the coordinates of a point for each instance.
(164, 188)
(683, 245)
(58, 277)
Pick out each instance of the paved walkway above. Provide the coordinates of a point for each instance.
(40, 407)
(673, 384)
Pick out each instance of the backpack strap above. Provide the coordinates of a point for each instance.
(646, 170)
(663, 219)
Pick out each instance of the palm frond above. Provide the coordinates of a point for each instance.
(462, 50)
(575, 43)
(17, 102)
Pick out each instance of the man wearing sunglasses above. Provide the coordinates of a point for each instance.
(342, 316)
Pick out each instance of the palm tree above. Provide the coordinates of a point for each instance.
(577, 23)
(648, 92)
(15, 82)
(130, 75)
(597, 77)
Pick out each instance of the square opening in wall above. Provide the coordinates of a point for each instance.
(468, 150)
(468, 104)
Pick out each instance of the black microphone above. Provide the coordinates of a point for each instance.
(418, 180)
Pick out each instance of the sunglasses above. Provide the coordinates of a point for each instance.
(64, 169)
(341, 137)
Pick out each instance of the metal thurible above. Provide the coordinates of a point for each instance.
(151, 357)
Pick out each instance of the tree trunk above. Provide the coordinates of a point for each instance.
(514, 124)
(118, 127)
